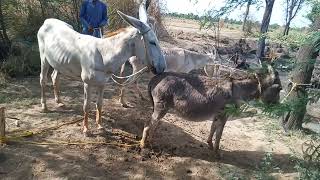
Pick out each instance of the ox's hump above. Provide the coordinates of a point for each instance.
(56, 22)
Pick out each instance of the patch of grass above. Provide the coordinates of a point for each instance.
(308, 170)
(231, 173)
(3, 80)
(18, 100)
(266, 167)
(293, 40)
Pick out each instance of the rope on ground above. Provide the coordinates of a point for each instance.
(34, 132)
(17, 138)
(294, 86)
(74, 143)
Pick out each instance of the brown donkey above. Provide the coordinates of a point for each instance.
(198, 98)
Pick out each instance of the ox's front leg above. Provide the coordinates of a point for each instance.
(86, 107)
(55, 76)
(100, 91)
(43, 82)
(122, 89)
(121, 98)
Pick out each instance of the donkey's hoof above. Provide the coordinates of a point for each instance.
(143, 98)
(210, 145)
(142, 145)
(217, 155)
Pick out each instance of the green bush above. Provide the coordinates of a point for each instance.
(294, 40)
(308, 171)
(23, 63)
(24, 18)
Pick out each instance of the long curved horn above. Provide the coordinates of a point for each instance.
(143, 16)
(143, 27)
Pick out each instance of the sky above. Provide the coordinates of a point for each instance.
(278, 16)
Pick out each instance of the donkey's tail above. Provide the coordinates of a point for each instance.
(150, 93)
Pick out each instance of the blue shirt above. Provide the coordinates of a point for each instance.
(93, 14)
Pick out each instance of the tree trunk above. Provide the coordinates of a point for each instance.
(286, 29)
(246, 15)
(43, 7)
(154, 10)
(293, 6)
(75, 9)
(3, 26)
(264, 28)
(306, 58)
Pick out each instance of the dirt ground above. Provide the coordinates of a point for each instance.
(179, 149)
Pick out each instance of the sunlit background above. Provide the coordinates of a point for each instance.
(201, 6)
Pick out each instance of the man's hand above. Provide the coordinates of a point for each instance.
(90, 29)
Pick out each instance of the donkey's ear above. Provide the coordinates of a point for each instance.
(134, 22)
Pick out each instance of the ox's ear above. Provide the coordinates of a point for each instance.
(142, 27)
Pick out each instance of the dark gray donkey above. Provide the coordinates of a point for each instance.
(199, 98)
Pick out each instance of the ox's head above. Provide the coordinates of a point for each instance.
(152, 54)
(270, 85)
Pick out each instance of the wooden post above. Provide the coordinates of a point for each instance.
(2, 125)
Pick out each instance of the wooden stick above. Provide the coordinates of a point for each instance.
(2, 125)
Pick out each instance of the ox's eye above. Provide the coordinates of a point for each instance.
(153, 43)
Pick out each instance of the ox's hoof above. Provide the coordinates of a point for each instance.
(100, 127)
(127, 105)
(86, 133)
(61, 105)
(44, 110)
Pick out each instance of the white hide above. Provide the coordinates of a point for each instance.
(93, 60)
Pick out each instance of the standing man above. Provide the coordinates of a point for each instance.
(93, 16)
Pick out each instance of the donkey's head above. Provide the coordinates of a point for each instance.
(152, 54)
(270, 84)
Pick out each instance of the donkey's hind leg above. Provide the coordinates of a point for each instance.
(55, 76)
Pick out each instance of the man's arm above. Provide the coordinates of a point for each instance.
(83, 11)
(104, 20)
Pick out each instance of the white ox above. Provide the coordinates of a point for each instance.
(93, 60)
(177, 60)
